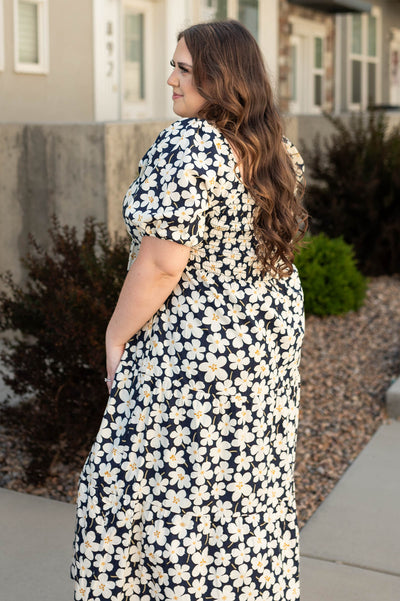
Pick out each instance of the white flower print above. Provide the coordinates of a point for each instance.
(224, 594)
(182, 523)
(174, 457)
(176, 500)
(241, 554)
(217, 343)
(103, 586)
(241, 576)
(214, 318)
(157, 532)
(201, 562)
(158, 484)
(198, 587)
(200, 414)
(193, 542)
(223, 511)
(202, 472)
(213, 368)
(179, 572)
(218, 576)
(240, 486)
(194, 350)
(220, 450)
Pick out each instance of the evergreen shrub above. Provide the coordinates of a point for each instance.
(353, 189)
(331, 282)
(55, 357)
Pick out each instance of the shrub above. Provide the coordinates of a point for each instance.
(55, 359)
(331, 281)
(355, 189)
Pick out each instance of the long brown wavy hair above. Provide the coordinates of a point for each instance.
(229, 72)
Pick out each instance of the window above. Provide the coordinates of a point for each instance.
(137, 79)
(245, 11)
(134, 57)
(364, 60)
(318, 71)
(306, 77)
(1, 36)
(31, 36)
(213, 10)
(248, 15)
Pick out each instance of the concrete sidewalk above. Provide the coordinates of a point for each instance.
(350, 547)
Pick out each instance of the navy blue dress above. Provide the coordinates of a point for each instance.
(188, 492)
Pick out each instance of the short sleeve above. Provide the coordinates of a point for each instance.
(297, 160)
(169, 199)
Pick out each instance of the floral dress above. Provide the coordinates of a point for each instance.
(188, 492)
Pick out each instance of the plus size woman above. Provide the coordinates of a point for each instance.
(188, 491)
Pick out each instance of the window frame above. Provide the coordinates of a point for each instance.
(303, 35)
(365, 59)
(232, 12)
(141, 108)
(42, 66)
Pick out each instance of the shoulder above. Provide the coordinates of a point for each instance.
(189, 143)
(295, 155)
(195, 134)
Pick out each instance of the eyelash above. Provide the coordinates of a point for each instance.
(173, 65)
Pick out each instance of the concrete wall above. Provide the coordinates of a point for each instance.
(81, 170)
(66, 92)
(72, 171)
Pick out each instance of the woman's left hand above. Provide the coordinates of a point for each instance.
(114, 354)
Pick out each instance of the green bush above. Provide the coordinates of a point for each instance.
(55, 358)
(354, 189)
(331, 281)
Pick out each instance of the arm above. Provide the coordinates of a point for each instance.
(150, 280)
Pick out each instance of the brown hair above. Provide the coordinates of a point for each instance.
(229, 72)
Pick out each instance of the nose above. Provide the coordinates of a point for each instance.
(173, 79)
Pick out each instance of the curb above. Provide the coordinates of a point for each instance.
(393, 399)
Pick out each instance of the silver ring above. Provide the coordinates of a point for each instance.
(107, 380)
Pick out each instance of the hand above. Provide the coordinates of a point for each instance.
(114, 354)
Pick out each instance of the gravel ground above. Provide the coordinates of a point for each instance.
(348, 363)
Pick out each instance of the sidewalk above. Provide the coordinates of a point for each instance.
(350, 547)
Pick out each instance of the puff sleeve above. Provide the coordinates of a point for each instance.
(169, 199)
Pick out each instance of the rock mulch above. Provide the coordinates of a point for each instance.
(347, 365)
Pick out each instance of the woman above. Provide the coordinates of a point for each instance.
(188, 491)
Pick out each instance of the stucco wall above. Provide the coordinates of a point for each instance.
(66, 92)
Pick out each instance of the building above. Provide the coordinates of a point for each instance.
(83, 91)
(108, 60)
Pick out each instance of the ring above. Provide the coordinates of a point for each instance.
(107, 380)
